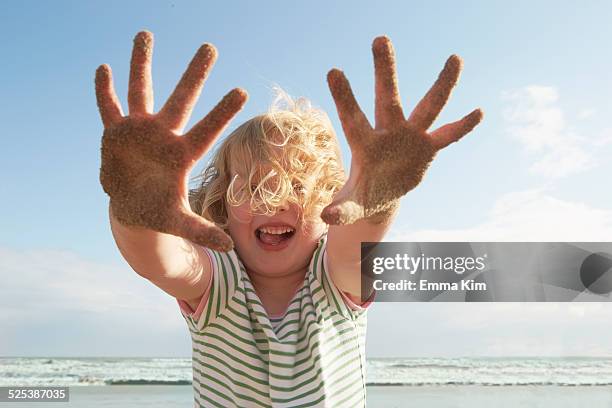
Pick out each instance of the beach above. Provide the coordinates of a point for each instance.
(481, 382)
(478, 396)
(473, 396)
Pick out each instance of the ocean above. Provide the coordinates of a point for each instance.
(392, 382)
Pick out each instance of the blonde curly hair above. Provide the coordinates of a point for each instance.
(290, 154)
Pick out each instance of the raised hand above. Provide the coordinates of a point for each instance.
(145, 162)
(390, 159)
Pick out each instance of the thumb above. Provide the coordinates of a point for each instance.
(202, 232)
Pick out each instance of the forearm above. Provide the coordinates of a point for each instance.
(384, 217)
(344, 241)
(174, 264)
(344, 247)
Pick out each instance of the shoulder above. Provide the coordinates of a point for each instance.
(343, 303)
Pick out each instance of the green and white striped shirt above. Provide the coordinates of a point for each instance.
(314, 356)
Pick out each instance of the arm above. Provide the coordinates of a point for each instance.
(175, 265)
(145, 168)
(344, 250)
(387, 161)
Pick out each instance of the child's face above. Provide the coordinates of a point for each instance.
(262, 246)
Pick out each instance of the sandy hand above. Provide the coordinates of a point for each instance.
(145, 161)
(390, 159)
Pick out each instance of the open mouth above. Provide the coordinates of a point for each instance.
(274, 235)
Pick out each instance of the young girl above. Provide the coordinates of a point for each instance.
(265, 259)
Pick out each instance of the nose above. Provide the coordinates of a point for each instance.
(284, 206)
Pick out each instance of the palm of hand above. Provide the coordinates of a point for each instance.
(142, 158)
(374, 184)
(390, 159)
(145, 163)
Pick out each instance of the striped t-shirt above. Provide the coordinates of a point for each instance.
(314, 356)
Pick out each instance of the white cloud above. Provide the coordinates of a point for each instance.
(531, 215)
(586, 113)
(61, 279)
(489, 329)
(605, 138)
(543, 329)
(554, 314)
(534, 118)
(503, 329)
(71, 302)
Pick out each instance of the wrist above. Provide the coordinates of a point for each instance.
(386, 215)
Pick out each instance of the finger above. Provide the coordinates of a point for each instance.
(452, 132)
(354, 121)
(203, 134)
(108, 103)
(178, 107)
(201, 231)
(342, 212)
(388, 101)
(432, 103)
(140, 90)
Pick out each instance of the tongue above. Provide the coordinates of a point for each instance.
(271, 239)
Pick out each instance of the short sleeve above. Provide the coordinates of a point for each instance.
(226, 272)
(334, 298)
(357, 304)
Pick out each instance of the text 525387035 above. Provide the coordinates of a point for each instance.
(34, 394)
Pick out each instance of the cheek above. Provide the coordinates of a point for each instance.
(240, 214)
(313, 230)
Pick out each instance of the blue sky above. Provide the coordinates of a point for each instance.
(536, 169)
